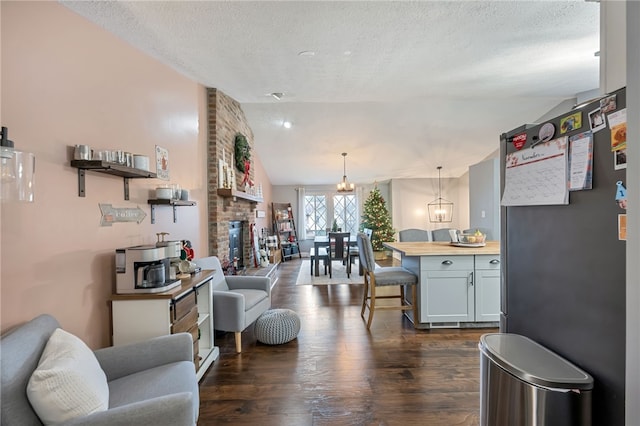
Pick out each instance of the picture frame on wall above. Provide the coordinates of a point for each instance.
(162, 163)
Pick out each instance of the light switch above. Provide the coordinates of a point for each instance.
(483, 214)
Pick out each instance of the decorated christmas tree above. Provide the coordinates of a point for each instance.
(376, 217)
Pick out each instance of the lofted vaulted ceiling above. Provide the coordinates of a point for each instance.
(402, 87)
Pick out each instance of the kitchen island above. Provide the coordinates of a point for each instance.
(457, 286)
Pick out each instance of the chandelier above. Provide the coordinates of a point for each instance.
(440, 210)
(345, 186)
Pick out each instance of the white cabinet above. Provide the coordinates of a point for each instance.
(188, 308)
(459, 288)
(487, 287)
(446, 293)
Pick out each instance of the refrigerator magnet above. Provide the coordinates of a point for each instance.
(608, 104)
(519, 141)
(571, 122)
(620, 159)
(621, 195)
(622, 227)
(597, 120)
(545, 134)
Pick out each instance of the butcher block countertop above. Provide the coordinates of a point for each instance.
(437, 248)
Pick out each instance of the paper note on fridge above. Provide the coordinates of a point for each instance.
(537, 176)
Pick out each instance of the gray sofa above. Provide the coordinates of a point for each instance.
(237, 300)
(150, 383)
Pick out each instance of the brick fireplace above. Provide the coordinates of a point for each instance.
(225, 120)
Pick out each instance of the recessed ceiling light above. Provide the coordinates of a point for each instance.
(286, 124)
(347, 53)
(307, 53)
(277, 95)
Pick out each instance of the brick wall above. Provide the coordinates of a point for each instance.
(225, 120)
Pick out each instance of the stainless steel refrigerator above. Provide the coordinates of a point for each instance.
(563, 266)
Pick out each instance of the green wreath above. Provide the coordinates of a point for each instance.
(242, 151)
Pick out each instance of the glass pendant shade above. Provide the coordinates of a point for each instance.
(440, 210)
(17, 172)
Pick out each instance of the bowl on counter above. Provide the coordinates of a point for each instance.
(474, 238)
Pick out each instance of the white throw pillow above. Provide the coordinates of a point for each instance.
(68, 381)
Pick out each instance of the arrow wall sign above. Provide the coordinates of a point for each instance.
(112, 214)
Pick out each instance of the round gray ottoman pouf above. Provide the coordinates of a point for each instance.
(277, 326)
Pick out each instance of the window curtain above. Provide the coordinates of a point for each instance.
(360, 201)
(301, 219)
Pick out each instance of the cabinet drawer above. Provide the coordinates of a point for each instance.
(194, 333)
(183, 306)
(488, 261)
(446, 263)
(185, 323)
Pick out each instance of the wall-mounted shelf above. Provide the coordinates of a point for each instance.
(172, 203)
(228, 192)
(111, 169)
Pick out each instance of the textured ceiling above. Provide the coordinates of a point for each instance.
(402, 87)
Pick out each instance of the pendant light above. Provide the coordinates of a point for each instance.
(440, 210)
(17, 171)
(345, 186)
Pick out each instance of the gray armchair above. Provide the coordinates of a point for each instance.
(152, 382)
(237, 300)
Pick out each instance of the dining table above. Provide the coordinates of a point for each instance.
(323, 241)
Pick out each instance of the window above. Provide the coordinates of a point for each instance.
(345, 212)
(315, 213)
(342, 208)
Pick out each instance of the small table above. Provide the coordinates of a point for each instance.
(323, 241)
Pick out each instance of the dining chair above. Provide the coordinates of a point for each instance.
(442, 234)
(376, 276)
(354, 252)
(414, 235)
(323, 254)
(339, 250)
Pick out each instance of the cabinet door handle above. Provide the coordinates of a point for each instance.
(447, 262)
(471, 279)
(494, 261)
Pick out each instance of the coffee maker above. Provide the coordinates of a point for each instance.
(144, 269)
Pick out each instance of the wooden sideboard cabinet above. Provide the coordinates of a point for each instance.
(188, 308)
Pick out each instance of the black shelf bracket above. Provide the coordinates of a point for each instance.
(173, 203)
(153, 213)
(126, 188)
(81, 188)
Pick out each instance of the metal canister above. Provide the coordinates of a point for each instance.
(82, 152)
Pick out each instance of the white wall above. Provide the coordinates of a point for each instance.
(409, 199)
(484, 196)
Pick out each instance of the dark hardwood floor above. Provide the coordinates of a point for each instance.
(338, 373)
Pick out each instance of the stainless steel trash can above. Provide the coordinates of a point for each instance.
(525, 384)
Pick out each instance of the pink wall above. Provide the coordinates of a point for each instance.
(65, 81)
(261, 177)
